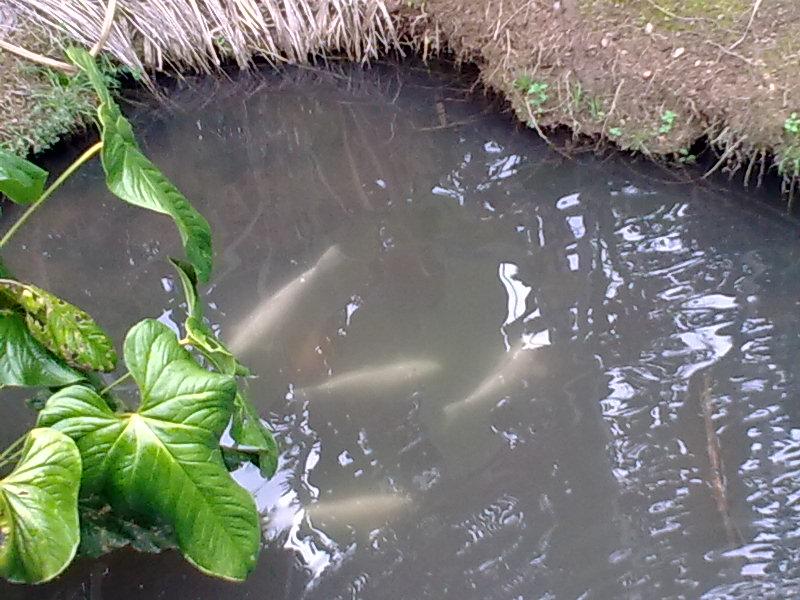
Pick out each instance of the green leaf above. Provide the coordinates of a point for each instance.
(103, 531)
(24, 361)
(64, 329)
(39, 531)
(200, 335)
(252, 437)
(188, 278)
(20, 180)
(132, 177)
(163, 461)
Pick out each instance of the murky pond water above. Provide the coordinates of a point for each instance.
(493, 372)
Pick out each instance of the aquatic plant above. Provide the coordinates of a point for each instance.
(92, 474)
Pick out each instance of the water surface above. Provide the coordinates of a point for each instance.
(645, 443)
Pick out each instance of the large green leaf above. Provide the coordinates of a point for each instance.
(163, 461)
(39, 531)
(132, 177)
(64, 329)
(20, 180)
(24, 361)
(253, 438)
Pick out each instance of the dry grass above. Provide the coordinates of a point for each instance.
(200, 34)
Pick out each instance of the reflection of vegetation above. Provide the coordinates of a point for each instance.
(152, 478)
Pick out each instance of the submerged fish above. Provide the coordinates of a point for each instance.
(515, 365)
(270, 315)
(382, 379)
(365, 511)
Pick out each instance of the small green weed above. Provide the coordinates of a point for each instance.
(536, 91)
(792, 124)
(686, 157)
(61, 104)
(576, 95)
(595, 107)
(614, 132)
(789, 164)
(668, 118)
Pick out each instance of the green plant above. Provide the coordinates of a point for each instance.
(59, 104)
(792, 124)
(576, 95)
(130, 466)
(535, 91)
(39, 508)
(789, 164)
(595, 107)
(686, 157)
(668, 118)
(614, 132)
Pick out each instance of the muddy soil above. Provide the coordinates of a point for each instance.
(651, 76)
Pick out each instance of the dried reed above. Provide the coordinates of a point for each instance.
(200, 34)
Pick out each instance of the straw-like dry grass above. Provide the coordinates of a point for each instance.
(199, 34)
(171, 35)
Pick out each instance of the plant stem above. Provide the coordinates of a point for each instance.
(49, 191)
(115, 383)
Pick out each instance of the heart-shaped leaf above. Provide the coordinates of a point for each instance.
(163, 461)
(39, 530)
(253, 438)
(64, 329)
(132, 177)
(20, 180)
(24, 361)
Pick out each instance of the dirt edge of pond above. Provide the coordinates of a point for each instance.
(659, 77)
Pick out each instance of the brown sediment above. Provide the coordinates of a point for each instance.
(650, 76)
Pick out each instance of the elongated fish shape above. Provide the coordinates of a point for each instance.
(515, 365)
(365, 511)
(269, 315)
(374, 380)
